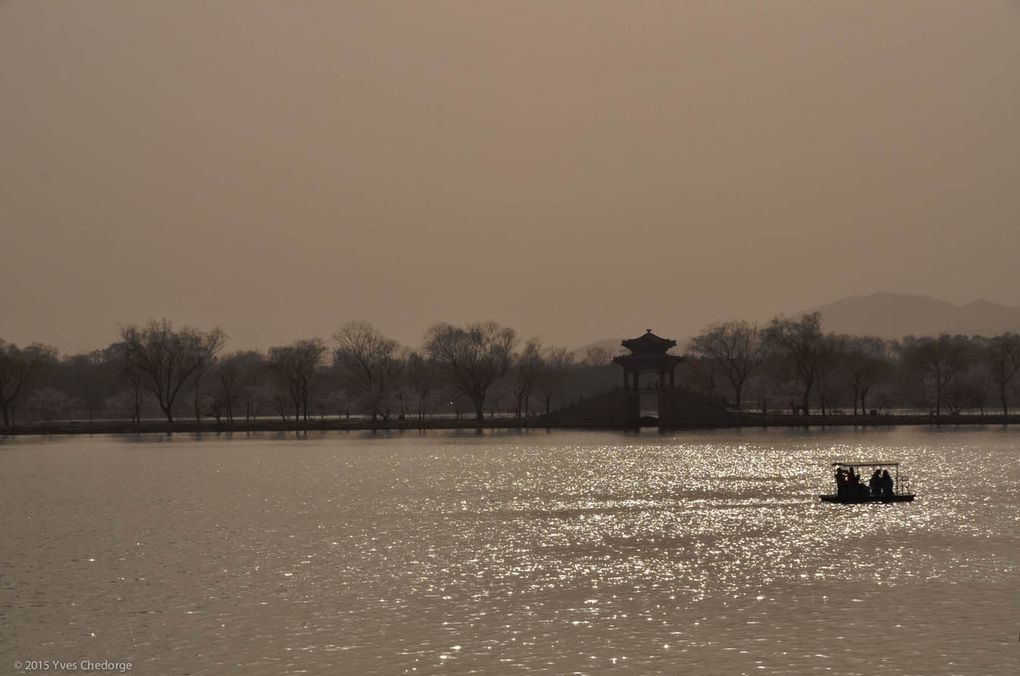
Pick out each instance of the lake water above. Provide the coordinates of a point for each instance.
(560, 552)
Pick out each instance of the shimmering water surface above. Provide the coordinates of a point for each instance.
(503, 553)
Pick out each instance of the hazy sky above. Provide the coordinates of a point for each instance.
(578, 170)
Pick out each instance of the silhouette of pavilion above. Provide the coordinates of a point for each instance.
(648, 355)
(676, 406)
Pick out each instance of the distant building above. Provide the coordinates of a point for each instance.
(648, 354)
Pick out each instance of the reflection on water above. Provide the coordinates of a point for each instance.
(564, 552)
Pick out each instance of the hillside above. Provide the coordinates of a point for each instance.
(894, 315)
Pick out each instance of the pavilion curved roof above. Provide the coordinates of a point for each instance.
(648, 344)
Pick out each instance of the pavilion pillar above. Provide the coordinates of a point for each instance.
(626, 378)
(662, 378)
(672, 377)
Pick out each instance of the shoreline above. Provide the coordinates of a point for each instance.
(744, 421)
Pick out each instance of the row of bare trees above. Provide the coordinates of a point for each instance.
(796, 358)
(162, 370)
(180, 370)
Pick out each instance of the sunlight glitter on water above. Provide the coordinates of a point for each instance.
(564, 552)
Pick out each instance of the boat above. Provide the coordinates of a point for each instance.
(851, 491)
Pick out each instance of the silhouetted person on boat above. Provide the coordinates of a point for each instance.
(841, 482)
(888, 487)
(862, 490)
(876, 483)
(856, 488)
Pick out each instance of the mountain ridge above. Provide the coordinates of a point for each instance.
(895, 315)
(889, 315)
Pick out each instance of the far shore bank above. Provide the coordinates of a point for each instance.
(744, 421)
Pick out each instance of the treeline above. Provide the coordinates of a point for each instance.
(792, 365)
(162, 371)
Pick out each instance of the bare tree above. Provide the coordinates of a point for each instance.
(127, 402)
(281, 402)
(369, 362)
(596, 355)
(48, 403)
(89, 378)
(18, 366)
(254, 391)
(867, 361)
(556, 364)
(472, 357)
(831, 353)
(420, 375)
(132, 398)
(1002, 354)
(168, 357)
(968, 389)
(525, 371)
(298, 364)
(230, 372)
(800, 342)
(196, 389)
(737, 347)
(940, 359)
(769, 381)
(137, 398)
(700, 375)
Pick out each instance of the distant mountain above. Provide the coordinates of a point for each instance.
(610, 345)
(889, 315)
(894, 315)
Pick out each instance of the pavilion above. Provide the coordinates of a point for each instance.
(648, 354)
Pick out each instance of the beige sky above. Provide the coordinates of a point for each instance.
(577, 170)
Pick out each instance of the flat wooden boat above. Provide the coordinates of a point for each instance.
(852, 489)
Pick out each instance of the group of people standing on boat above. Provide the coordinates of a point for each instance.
(849, 484)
